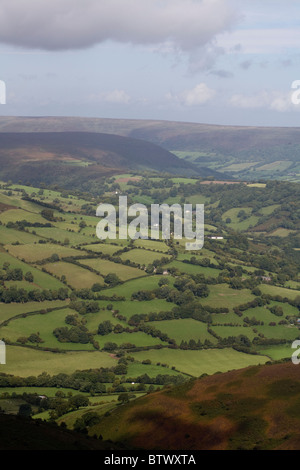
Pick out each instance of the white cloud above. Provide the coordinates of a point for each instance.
(114, 96)
(117, 96)
(197, 96)
(272, 100)
(74, 24)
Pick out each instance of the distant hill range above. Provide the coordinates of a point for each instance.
(168, 134)
(235, 151)
(62, 157)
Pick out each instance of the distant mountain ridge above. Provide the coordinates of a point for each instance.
(169, 134)
(52, 156)
(225, 152)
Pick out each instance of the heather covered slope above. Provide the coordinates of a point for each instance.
(49, 156)
(252, 408)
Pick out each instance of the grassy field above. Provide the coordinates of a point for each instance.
(278, 352)
(127, 308)
(222, 295)
(104, 248)
(287, 332)
(44, 324)
(269, 209)
(76, 276)
(8, 311)
(205, 253)
(184, 330)
(25, 361)
(193, 269)
(39, 251)
(9, 235)
(127, 289)
(138, 339)
(201, 362)
(238, 224)
(142, 257)
(281, 232)
(59, 234)
(275, 290)
(15, 215)
(223, 318)
(153, 245)
(226, 331)
(41, 279)
(105, 267)
(136, 369)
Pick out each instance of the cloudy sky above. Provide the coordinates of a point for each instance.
(212, 61)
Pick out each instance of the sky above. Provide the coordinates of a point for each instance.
(227, 62)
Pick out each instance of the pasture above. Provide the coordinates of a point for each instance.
(105, 267)
(33, 252)
(8, 311)
(139, 339)
(184, 330)
(76, 276)
(41, 279)
(144, 283)
(153, 245)
(201, 362)
(10, 235)
(24, 362)
(44, 324)
(187, 268)
(222, 295)
(142, 257)
(103, 248)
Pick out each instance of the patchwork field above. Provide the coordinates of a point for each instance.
(221, 295)
(197, 363)
(41, 279)
(39, 251)
(76, 276)
(184, 330)
(142, 257)
(105, 267)
(25, 362)
(70, 312)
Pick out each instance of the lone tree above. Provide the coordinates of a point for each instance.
(123, 398)
(112, 279)
(25, 410)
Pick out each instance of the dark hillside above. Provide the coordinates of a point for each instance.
(253, 408)
(46, 156)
